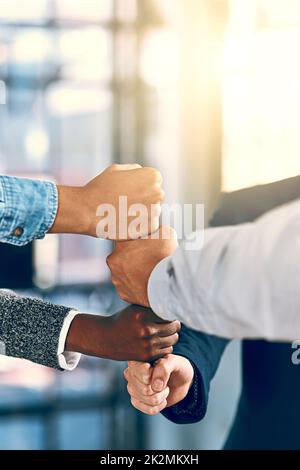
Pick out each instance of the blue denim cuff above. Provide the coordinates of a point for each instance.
(27, 209)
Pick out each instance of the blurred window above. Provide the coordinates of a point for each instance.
(83, 83)
(63, 65)
(261, 93)
(86, 84)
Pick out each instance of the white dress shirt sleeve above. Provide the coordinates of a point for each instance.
(67, 360)
(244, 282)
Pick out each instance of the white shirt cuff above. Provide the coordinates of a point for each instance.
(158, 289)
(67, 360)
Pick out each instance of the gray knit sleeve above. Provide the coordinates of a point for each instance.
(30, 328)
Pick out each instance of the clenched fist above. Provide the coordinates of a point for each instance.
(153, 388)
(122, 203)
(134, 333)
(132, 263)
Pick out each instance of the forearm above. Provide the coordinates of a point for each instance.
(71, 216)
(242, 283)
(90, 335)
(30, 329)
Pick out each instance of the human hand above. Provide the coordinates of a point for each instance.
(132, 263)
(135, 333)
(152, 389)
(97, 210)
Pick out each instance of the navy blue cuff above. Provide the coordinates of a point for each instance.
(194, 406)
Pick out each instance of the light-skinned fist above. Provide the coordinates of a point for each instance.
(154, 388)
(132, 263)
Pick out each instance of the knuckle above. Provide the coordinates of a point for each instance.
(161, 194)
(138, 316)
(145, 378)
(146, 390)
(121, 294)
(154, 174)
(114, 279)
(175, 338)
(154, 401)
(143, 333)
(111, 261)
(134, 404)
(145, 329)
(152, 345)
(168, 350)
(149, 330)
(150, 170)
(130, 389)
(146, 369)
(153, 411)
(157, 175)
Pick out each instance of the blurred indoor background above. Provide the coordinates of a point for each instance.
(205, 90)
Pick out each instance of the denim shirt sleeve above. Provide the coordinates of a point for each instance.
(27, 209)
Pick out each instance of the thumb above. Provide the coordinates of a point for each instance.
(161, 374)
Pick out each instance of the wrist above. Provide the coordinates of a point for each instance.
(84, 334)
(184, 364)
(71, 214)
(90, 335)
